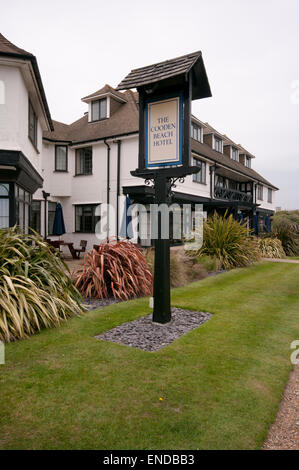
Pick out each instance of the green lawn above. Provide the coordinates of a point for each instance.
(293, 257)
(221, 384)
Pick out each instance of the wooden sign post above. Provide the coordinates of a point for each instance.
(165, 94)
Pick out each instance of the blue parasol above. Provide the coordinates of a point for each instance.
(58, 225)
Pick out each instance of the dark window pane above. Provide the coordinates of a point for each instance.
(32, 125)
(51, 216)
(103, 108)
(4, 212)
(95, 111)
(200, 177)
(99, 109)
(84, 161)
(61, 158)
(85, 218)
(35, 216)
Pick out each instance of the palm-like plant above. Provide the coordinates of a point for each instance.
(228, 241)
(35, 289)
(117, 269)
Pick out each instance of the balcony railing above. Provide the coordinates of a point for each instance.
(227, 194)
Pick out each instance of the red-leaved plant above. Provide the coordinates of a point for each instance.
(117, 269)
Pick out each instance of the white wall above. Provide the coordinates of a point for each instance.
(264, 204)
(14, 116)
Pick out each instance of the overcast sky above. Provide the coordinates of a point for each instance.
(250, 49)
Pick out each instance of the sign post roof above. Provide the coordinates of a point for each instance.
(171, 73)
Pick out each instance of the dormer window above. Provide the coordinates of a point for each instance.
(235, 154)
(196, 132)
(247, 161)
(217, 144)
(99, 109)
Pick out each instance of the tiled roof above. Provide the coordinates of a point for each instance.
(104, 90)
(206, 151)
(124, 121)
(211, 130)
(60, 133)
(170, 69)
(242, 150)
(226, 140)
(8, 49)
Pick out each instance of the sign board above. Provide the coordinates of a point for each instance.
(164, 131)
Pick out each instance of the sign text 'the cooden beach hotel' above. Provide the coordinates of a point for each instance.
(163, 132)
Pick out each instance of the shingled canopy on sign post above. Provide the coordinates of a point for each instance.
(166, 90)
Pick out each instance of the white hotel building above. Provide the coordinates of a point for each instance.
(88, 163)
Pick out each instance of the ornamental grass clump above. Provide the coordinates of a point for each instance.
(229, 241)
(286, 230)
(271, 248)
(115, 269)
(35, 289)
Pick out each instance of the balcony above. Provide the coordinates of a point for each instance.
(227, 194)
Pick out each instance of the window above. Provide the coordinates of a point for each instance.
(247, 161)
(23, 202)
(196, 132)
(235, 154)
(85, 218)
(260, 192)
(51, 216)
(270, 195)
(99, 109)
(60, 158)
(233, 185)
(84, 161)
(35, 216)
(199, 177)
(220, 181)
(32, 125)
(217, 144)
(4, 205)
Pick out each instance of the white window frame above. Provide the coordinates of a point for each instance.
(232, 154)
(221, 142)
(199, 130)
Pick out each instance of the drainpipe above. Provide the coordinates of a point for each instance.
(108, 186)
(212, 180)
(118, 187)
(45, 196)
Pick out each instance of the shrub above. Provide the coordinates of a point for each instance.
(35, 289)
(285, 226)
(209, 263)
(117, 269)
(271, 248)
(228, 241)
(183, 269)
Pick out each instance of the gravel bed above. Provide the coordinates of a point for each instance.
(284, 433)
(148, 336)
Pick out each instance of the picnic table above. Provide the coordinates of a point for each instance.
(58, 243)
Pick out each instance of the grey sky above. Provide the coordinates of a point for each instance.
(250, 49)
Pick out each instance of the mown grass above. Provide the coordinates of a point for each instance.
(221, 384)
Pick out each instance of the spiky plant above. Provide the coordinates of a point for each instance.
(35, 289)
(271, 248)
(229, 241)
(288, 233)
(117, 269)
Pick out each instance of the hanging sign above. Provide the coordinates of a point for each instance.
(163, 132)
